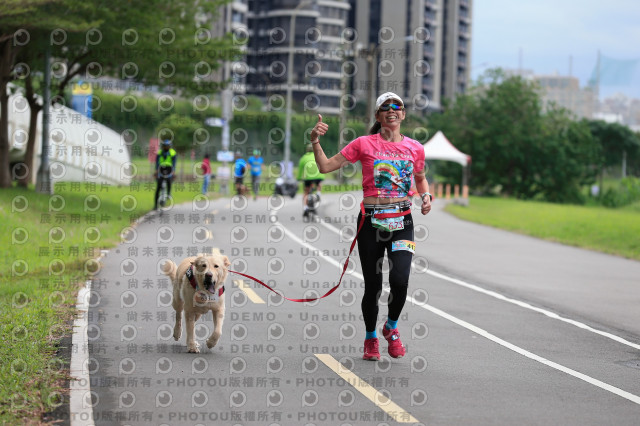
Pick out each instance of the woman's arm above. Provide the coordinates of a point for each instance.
(422, 185)
(325, 165)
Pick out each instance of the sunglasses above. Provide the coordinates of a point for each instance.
(387, 107)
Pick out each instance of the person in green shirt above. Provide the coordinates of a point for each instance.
(165, 169)
(309, 173)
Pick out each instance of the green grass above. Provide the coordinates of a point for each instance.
(634, 207)
(37, 301)
(596, 228)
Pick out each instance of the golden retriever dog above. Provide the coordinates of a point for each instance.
(198, 287)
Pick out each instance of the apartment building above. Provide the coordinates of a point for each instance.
(232, 18)
(420, 49)
(315, 42)
(456, 49)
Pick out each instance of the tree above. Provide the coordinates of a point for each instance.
(514, 145)
(164, 43)
(633, 161)
(570, 156)
(182, 131)
(616, 141)
(23, 26)
(35, 106)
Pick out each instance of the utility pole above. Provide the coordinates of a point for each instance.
(287, 130)
(226, 96)
(597, 88)
(372, 60)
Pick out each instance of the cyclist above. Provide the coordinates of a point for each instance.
(255, 161)
(309, 173)
(165, 167)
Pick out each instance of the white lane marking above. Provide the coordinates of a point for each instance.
(525, 305)
(516, 302)
(311, 248)
(595, 382)
(627, 395)
(394, 411)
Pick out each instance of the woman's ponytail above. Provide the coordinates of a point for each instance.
(375, 128)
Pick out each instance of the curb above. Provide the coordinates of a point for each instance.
(81, 409)
(80, 412)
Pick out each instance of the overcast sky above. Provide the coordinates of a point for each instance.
(550, 31)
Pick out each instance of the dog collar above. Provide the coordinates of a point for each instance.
(207, 281)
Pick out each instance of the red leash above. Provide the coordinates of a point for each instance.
(346, 263)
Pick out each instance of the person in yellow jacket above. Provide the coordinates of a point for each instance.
(165, 168)
(308, 172)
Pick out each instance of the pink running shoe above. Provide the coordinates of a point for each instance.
(396, 348)
(371, 349)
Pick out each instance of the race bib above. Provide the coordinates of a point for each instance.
(390, 223)
(407, 245)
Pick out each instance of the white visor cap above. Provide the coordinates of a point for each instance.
(385, 97)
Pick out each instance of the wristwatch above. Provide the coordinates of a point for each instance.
(425, 194)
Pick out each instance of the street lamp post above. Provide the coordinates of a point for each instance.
(287, 131)
(372, 63)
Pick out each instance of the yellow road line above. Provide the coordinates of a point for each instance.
(252, 295)
(371, 393)
(207, 220)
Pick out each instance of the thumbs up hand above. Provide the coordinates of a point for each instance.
(318, 130)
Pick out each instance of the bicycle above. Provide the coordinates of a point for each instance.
(163, 196)
(313, 200)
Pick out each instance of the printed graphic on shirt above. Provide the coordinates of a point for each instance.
(403, 245)
(393, 177)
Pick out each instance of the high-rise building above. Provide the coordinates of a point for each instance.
(316, 48)
(432, 53)
(456, 48)
(232, 18)
(420, 49)
(389, 49)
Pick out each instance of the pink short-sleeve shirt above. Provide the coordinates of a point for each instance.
(387, 167)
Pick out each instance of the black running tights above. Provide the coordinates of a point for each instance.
(372, 243)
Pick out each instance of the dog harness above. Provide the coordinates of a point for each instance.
(208, 285)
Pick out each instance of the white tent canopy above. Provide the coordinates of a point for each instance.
(439, 148)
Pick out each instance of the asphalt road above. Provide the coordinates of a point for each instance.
(500, 329)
